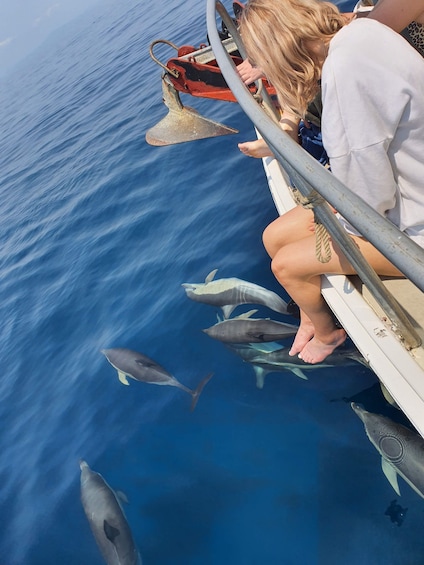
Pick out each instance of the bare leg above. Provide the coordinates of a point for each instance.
(304, 334)
(299, 272)
(318, 335)
(288, 228)
(316, 350)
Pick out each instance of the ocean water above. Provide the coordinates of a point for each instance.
(98, 233)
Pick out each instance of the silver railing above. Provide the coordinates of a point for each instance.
(316, 183)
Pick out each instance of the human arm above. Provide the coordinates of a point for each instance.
(259, 149)
(289, 122)
(398, 14)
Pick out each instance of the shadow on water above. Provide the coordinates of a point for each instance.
(372, 400)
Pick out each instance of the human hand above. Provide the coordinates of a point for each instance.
(248, 74)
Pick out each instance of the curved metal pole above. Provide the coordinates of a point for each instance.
(404, 253)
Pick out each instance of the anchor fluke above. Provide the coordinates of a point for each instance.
(182, 123)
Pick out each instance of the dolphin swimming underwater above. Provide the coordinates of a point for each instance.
(107, 519)
(229, 293)
(401, 449)
(275, 359)
(248, 351)
(244, 329)
(141, 368)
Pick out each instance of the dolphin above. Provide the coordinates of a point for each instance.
(276, 358)
(107, 519)
(229, 293)
(401, 449)
(244, 329)
(248, 351)
(141, 368)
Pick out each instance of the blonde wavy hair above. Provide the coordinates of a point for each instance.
(275, 34)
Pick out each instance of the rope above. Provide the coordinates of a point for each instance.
(322, 237)
(322, 243)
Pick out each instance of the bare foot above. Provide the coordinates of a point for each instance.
(304, 334)
(316, 350)
(257, 149)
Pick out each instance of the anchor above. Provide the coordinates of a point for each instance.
(182, 123)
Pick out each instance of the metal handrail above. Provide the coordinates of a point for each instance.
(310, 178)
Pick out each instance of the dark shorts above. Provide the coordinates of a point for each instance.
(311, 140)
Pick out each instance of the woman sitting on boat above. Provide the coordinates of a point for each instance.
(373, 130)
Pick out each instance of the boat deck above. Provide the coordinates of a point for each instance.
(411, 299)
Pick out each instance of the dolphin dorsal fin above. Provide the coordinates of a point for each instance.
(391, 475)
(110, 532)
(269, 346)
(211, 276)
(245, 315)
(266, 347)
(299, 373)
(123, 378)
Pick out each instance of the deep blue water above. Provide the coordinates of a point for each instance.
(99, 231)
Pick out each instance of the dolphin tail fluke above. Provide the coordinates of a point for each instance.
(196, 393)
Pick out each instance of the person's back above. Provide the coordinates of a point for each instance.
(373, 126)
